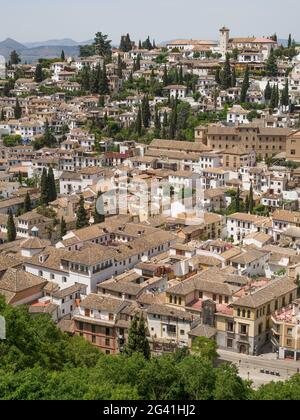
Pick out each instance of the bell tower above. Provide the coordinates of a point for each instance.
(224, 40)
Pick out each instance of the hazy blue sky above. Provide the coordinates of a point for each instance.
(32, 20)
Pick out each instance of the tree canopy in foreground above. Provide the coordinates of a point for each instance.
(39, 362)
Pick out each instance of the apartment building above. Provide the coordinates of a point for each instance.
(266, 142)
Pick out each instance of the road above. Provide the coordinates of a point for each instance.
(250, 367)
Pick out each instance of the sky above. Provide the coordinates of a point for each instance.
(32, 20)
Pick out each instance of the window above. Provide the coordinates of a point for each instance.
(107, 342)
(230, 326)
(230, 343)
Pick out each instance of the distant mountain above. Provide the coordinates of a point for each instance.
(9, 45)
(66, 42)
(33, 53)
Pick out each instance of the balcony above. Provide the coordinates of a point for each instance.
(244, 338)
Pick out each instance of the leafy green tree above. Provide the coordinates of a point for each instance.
(11, 228)
(49, 139)
(82, 216)
(218, 75)
(233, 77)
(102, 44)
(229, 386)
(205, 348)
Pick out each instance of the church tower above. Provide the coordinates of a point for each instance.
(224, 40)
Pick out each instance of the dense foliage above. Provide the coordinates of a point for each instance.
(38, 361)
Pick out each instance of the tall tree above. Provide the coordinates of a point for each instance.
(218, 75)
(102, 45)
(63, 56)
(52, 194)
(38, 76)
(165, 76)
(125, 44)
(82, 216)
(268, 92)
(251, 199)
(104, 82)
(285, 99)
(27, 203)
(11, 228)
(44, 188)
(63, 228)
(233, 77)
(138, 123)
(238, 201)
(2, 116)
(49, 139)
(147, 44)
(245, 86)
(137, 338)
(120, 67)
(290, 41)
(14, 58)
(226, 78)
(146, 113)
(18, 110)
(271, 66)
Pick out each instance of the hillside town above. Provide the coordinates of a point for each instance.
(159, 181)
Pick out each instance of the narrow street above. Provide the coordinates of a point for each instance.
(250, 367)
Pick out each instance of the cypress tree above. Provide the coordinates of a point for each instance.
(144, 346)
(226, 78)
(99, 216)
(180, 76)
(63, 228)
(2, 117)
(63, 56)
(173, 124)
(11, 228)
(18, 110)
(233, 77)
(271, 66)
(52, 194)
(49, 139)
(44, 188)
(138, 123)
(101, 102)
(120, 67)
(146, 113)
(285, 100)
(290, 41)
(103, 82)
(138, 62)
(238, 201)
(247, 204)
(245, 86)
(38, 76)
(251, 200)
(137, 338)
(27, 203)
(268, 92)
(157, 119)
(82, 217)
(274, 98)
(165, 76)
